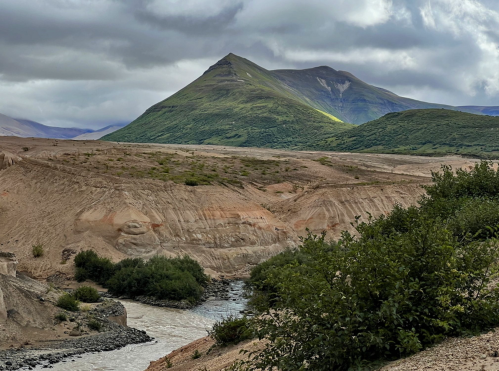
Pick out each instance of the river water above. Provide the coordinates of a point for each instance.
(171, 328)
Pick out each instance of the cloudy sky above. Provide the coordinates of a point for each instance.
(91, 63)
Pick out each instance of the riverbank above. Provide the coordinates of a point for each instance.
(217, 288)
(110, 317)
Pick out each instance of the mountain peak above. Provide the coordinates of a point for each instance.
(222, 63)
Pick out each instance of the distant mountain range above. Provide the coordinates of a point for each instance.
(97, 134)
(236, 102)
(27, 128)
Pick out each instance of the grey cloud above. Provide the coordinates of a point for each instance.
(200, 26)
(110, 58)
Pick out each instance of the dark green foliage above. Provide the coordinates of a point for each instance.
(434, 132)
(196, 354)
(68, 302)
(160, 277)
(232, 330)
(191, 182)
(405, 282)
(264, 290)
(93, 324)
(86, 294)
(90, 266)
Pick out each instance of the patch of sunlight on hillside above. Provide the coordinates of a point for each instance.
(334, 118)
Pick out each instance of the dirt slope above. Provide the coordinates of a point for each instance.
(131, 200)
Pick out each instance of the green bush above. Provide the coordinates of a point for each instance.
(160, 277)
(90, 266)
(264, 276)
(232, 330)
(93, 324)
(86, 294)
(68, 302)
(191, 182)
(402, 283)
(38, 250)
(61, 317)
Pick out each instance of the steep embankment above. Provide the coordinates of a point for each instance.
(132, 200)
(434, 132)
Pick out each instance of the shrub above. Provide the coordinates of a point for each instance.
(231, 330)
(164, 278)
(61, 317)
(90, 266)
(38, 250)
(402, 283)
(68, 302)
(93, 324)
(191, 182)
(196, 354)
(86, 294)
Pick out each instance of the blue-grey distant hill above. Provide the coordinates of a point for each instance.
(32, 129)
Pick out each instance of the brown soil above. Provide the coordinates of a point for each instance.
(211, 357)
(131, 199)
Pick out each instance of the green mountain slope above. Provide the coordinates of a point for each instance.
(425, 132)
(238, 103)
(235, 102)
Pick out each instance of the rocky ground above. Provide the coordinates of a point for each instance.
(114, 334)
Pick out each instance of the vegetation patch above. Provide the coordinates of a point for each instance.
(160, 277)
(86, 294)
(403, 283)
(431, 132)
(232, 330)
(68, 302)
(37, 250)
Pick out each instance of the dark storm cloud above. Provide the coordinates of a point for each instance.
(96, 62)
(191, 25)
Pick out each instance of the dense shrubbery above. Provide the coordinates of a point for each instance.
(232, 330)
(86, 294)
(160, 277)
(406, 281)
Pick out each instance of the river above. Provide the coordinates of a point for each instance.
(171, 328)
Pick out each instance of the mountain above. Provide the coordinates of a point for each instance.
(28, 128)
(423, 132)
(345, 96)
(95, 135)
(235, 102)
